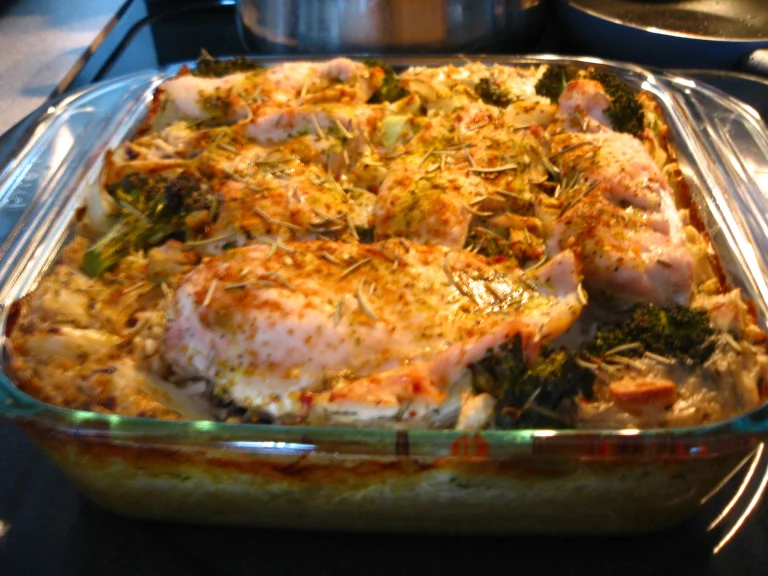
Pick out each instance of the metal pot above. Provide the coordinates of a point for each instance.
(391, 26)
(686, 34)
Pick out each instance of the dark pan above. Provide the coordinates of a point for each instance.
(693, 33)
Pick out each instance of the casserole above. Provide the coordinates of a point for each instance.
(533, 481)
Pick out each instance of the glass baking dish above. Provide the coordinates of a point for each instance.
(521, 481)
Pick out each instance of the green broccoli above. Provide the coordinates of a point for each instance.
(493, 94)
(498, 367)
(674, 331)
(535, 400)
(554, 79)
(624, 112)
(390, 90)
(127, 235)
(209, 67)
(153, 208)
(530, 398)
(533, 397)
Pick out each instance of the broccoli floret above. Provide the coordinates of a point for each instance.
(624, 112)
(674, 331)
(536, 399)
(530, 398)
(493, 94)
(209, 67)
(152, 209)
(390, 89)
(128, 234)
(498, 367)
(554, 79)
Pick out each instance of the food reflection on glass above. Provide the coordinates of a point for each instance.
(337, 244)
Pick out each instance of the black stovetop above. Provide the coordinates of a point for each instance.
(151, 34)
(54, 530)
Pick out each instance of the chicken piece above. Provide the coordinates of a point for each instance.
(236, 96)
(369, 328)
(337, 80)
(424, 389)
(335, 136)
(438, 190)
(429, 209)
(287, 209)
(276, 124)
(582, 106)
(193, 98)
(302, 203)
(620, 218)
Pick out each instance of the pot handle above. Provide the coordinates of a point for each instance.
(756, 62)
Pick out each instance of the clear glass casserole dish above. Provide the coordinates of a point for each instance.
(524, 481)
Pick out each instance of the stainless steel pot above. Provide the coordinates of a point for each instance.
(391, 26)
